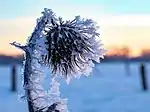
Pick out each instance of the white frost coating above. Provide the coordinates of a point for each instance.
(37, 92)
(36, 79)
(42, 99)
(37, 48)
(54, 96)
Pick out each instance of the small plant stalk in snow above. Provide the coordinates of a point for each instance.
(68, 48)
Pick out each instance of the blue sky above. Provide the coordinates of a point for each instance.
(122, 22)
(17, 8)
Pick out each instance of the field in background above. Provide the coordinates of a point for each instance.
(107, 89)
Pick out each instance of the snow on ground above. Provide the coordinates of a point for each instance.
(108, 89)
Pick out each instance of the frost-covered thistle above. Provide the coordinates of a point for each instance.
(73, 46)
(68, 48)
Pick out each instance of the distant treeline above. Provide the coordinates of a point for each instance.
(124, 58)
(11, 59)
(19, 59)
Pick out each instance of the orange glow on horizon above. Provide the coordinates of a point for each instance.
(120, 50)
(113, 50)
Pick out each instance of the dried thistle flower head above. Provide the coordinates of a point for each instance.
(72, 46)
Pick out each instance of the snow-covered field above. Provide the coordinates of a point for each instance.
(108, 89)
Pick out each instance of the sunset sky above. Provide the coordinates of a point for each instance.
(122, 22)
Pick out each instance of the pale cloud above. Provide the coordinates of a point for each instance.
(128, 30)
(125, 20)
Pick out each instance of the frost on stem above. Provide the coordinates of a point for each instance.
(54, 94)
(35, 49)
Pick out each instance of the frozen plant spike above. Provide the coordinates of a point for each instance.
(68, 48)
